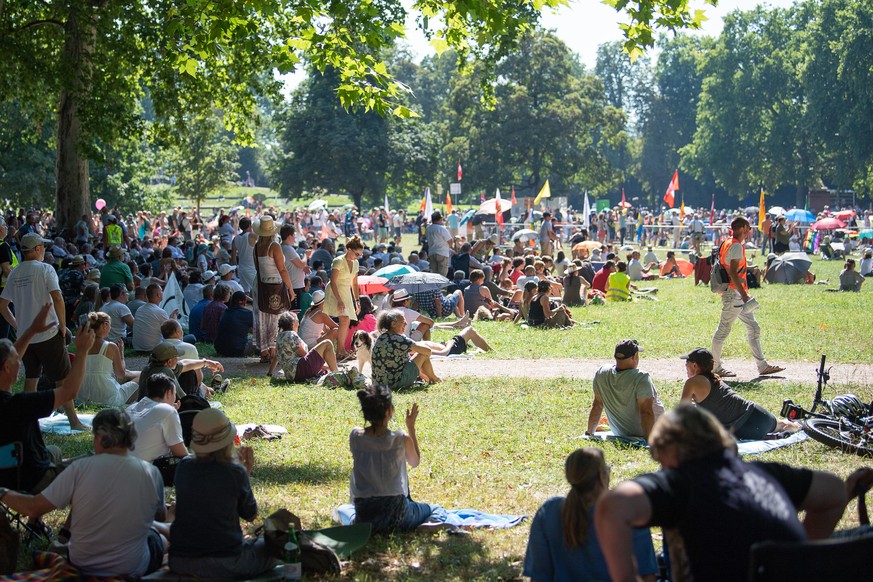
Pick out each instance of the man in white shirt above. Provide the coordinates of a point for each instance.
(696, 227)
(637, 272)
(115, 500)
(226, 273)
(29, 287)
(148, 320)
(296, 267)
(118, 312)
(439, 244)
(158, 428)
(400, 300)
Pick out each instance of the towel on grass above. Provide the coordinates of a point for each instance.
(59, 423)
(466, 518)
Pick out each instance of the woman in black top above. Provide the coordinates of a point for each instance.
(541, 314)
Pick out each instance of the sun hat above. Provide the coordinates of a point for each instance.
(494, 238)
(571, 268)
(700, 356)
(94, 275)
(225, 269)
(165, 351)
(400, 295)
(116, 252)
(627, 349)
(265, 226)
(317, 297)
(207, 275)
(211, 431)
(32, 240)
(77, 260)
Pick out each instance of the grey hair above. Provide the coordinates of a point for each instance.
(6, 347)
(115, 429)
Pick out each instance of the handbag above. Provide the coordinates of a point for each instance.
(315, 557)
(273, 298)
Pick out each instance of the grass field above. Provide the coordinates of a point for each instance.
(498, 444)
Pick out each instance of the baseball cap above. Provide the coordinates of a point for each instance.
(207, 275)
(225, 269)
(627, 349)
(32, 240)
(700, 356)
(165, 351)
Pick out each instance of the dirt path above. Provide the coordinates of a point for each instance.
(665, 370)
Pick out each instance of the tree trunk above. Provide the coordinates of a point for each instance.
(357, 198)
(71, 169)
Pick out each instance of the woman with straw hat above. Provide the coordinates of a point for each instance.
(212, 493)
(268, 301)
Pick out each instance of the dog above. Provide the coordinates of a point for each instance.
(363, 344)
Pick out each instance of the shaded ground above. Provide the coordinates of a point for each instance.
(666, 370)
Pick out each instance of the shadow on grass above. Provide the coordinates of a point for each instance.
(312, 473)
(428, 556)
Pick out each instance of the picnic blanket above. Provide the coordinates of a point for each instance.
(59, 423)
(460, 518)
(744, 447)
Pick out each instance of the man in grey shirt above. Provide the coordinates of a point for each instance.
(627, 394)
(439, 241)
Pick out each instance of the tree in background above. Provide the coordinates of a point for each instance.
(204, 159)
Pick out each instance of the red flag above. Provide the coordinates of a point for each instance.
(325, 233)
(513, 200)
(482, 197)
(460, 171)
(712, 211)
(498, 214)
(671, 189)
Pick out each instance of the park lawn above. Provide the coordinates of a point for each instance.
(799, 323)
(492, 444)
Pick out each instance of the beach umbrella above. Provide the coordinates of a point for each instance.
(789, 268)
(685, 267)
(418, 282)
(844, 214)
(467, 216)
(370, 285)
(525, 235)
(866, 233)
(625, 204)
(490, 206)
(800, 215)
(317, 203)
(393, 271)
(776, 210)
(750, 209)
(828, 224)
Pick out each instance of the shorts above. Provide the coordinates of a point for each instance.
(754, 424)
(309, 366)
(449, 303)
(49, 357)
(408, 376)
(457, 345)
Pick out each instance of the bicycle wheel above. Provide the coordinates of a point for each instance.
(827, 432)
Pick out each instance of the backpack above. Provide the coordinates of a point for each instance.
(189, 406)
(718, 279)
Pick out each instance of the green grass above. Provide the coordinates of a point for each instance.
(493, 444)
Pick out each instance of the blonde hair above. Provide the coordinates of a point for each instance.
(586, 472)
(692, 431)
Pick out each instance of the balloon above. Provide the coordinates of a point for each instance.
(100, 204)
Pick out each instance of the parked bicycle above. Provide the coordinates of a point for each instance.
(844, 422)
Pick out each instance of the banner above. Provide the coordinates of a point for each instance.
(174, 300)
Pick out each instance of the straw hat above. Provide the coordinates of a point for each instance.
(211, 431)
(265, 226)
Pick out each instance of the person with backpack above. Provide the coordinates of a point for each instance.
(736, 302)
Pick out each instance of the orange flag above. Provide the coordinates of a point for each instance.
(513, 200)
(448, 203)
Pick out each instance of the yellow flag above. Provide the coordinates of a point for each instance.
(682, 210)
(545, 192)
(761, 211)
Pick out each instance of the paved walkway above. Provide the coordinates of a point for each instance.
(665, 370)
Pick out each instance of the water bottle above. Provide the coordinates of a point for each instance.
(292, 569)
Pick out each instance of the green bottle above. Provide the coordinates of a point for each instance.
(292, 569)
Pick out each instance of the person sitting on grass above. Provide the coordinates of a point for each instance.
(745, 419)
(297, 360)
(317, 326)
(232, 336)
(115, 499)
(850, 279)
(157, 421)
(458, 344)
(541, 313)
(164, 359)
(670, 268)
(379, 485)
(563, 544)
(391, 364)
(618, 286)
(575, 287)
(107, 382)
(212, 493)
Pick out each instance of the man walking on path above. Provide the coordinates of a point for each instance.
(736, 302)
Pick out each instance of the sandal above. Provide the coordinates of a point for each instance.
(771, 370)
(725, 373)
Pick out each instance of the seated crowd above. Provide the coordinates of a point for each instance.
(255, 289)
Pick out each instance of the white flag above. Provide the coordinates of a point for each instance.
(386, 204)
(428, 204)
(173, 300)
(586, 211)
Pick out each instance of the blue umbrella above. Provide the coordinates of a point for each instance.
(467, 216)
(800, 215)
(393, 271)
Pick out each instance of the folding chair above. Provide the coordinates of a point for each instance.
(11, 457)
(843, 559)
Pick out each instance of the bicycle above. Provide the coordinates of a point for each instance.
(846, 424)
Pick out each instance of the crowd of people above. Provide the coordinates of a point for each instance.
(280, 287)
